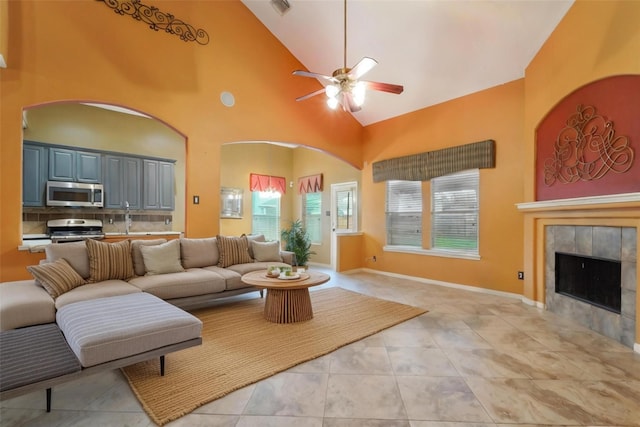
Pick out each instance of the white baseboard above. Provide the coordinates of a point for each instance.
(636, 347)
(446, 284)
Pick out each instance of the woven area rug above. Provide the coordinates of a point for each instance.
(240, 348)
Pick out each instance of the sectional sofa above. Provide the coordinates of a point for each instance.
(186, 272)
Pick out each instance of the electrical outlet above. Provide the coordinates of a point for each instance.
(520, 275)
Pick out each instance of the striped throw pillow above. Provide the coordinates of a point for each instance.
(109, 261)
(56, 277)
(233, 250)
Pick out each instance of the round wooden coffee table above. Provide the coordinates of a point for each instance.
(288, 300)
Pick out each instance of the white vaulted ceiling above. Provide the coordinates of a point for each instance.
(437, 49)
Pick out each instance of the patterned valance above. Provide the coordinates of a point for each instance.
(310, 184)
(424, 166)
(267, 183)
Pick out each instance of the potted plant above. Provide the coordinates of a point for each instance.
(297, 241)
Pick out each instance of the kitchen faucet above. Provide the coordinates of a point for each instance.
(127, 218)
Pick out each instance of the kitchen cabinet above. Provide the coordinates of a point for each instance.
(158, 185)
(73, 165)
(34, 174)
(122, 182)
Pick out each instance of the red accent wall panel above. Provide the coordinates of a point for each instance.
(565, 135)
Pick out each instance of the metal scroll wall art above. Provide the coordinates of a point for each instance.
(586, 149)
(158, 20)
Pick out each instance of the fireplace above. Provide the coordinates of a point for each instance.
(609, 258)
(590, 279)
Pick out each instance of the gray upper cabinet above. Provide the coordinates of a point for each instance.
(34, 174)
(122, 181)
(72, 165)
(88, 167)
(158, 185)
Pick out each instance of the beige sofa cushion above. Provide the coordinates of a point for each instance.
(136, 255)
(24, 303)
(106, 329)
(109, 260)
(192, 282)
(233, 250)
(108, 288)
(199, 252)
(56, 277)
(74, 252)
(254, 238)
(162, 259)
(266, 251)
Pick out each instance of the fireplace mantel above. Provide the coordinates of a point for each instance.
(608, 201)
(616, 210)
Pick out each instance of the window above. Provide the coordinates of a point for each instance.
(265, 209)
(454, 211)
(404, 213)
(312, 215)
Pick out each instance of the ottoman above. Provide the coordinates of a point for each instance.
(34, 355)
(112, 328)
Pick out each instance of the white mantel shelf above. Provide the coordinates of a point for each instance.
(579, 202)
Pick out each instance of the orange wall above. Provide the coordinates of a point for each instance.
(84, 51)
(575, 54)
(495, 114)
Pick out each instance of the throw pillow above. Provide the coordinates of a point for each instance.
(75, 253)
(266, 251)
(254, 238)
(233, 250)
(162, 259)
(136, 255)
(199, 252)
(56, 277)
(109, 261)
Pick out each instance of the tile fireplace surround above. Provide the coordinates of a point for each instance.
(601, 226)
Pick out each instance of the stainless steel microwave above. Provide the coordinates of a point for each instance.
(60, 193)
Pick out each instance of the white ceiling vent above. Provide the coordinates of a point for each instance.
(282, 6)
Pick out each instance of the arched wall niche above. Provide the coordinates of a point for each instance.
(592, 129)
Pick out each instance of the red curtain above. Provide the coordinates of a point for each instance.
(310, 184)
(259, 182)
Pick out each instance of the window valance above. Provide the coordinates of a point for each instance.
(431, 164)
(310, 184)
(267, 183)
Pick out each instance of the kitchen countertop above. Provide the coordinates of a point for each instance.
(144, 233)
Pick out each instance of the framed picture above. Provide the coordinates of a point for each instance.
(231, 202)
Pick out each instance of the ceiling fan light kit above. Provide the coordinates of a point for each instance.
(343, 87)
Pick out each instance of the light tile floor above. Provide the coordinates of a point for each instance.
(473, 360)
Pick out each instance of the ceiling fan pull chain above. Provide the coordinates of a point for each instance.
(345, 36)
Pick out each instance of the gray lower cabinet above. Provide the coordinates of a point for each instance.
(122, 182)
(157, 181)
(35, 171)
(73, 165)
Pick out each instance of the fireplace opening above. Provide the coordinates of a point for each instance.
(596, 281)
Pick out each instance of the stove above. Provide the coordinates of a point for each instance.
(74, 230)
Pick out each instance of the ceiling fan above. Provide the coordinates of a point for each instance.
(343, 86)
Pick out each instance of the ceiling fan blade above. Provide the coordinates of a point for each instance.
(364, 66)
(384, 87)
(303, 73)
(348, 104)
(309, 95)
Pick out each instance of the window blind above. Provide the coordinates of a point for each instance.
(404, 213)
(454, 211)
(265, 218)
(312, 215)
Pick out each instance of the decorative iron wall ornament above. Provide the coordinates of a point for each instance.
(586, 149)
(158, 20)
